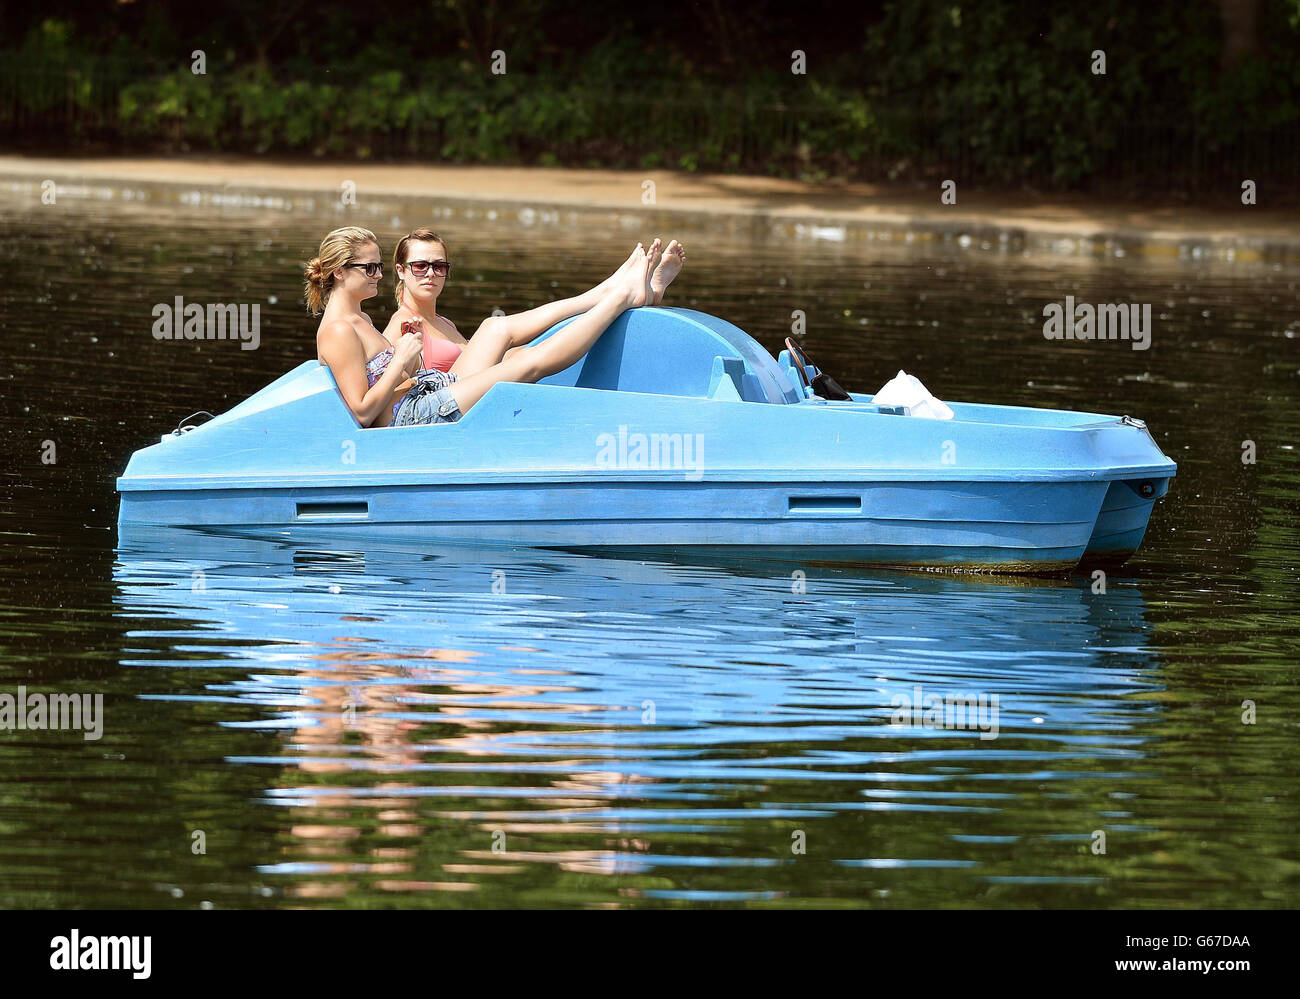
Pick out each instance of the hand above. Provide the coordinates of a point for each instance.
(408, 350)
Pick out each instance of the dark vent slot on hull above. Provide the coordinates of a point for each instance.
(333, 511)
(825, 504)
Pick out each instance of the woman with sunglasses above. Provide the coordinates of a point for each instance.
(374, 377)
(421, 263)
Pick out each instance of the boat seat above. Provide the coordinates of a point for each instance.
(678, 352)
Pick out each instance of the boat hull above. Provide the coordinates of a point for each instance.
(722, 457)
(987, 526)
(1122, 521)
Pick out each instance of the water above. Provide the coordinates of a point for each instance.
(481, 727)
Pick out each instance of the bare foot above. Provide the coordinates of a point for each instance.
(652, 256)
(636, 279)
(615, 279)
(674, 260)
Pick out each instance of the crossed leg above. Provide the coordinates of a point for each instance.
(628, 289)
(500, 336)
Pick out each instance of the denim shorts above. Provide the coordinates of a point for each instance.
(430, 401)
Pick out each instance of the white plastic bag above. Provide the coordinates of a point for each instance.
(907, 390)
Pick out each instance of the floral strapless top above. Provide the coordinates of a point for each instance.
(377, 365)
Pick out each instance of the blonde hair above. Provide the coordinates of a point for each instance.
(421, 235)
(336, 249)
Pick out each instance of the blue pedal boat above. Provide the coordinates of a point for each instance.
(678, 433)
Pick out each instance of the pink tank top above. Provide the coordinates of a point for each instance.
(440, 353)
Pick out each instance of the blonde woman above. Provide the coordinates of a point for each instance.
(374, 376)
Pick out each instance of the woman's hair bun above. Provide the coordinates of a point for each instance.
(336, 249)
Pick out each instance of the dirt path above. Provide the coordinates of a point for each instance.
(1249, 229)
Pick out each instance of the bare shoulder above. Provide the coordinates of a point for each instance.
(337, 337)
(336, 331)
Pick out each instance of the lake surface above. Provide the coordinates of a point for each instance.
(463, 727)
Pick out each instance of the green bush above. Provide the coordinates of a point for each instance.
(1000, 92)
(180, 107)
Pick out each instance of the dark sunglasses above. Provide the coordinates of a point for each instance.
(441, 268)
(372, 269)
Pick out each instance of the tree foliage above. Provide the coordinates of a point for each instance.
(1003, 91)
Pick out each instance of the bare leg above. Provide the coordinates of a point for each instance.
(556, 353)
(499, 335)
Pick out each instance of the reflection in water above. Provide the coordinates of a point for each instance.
(448, 718)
